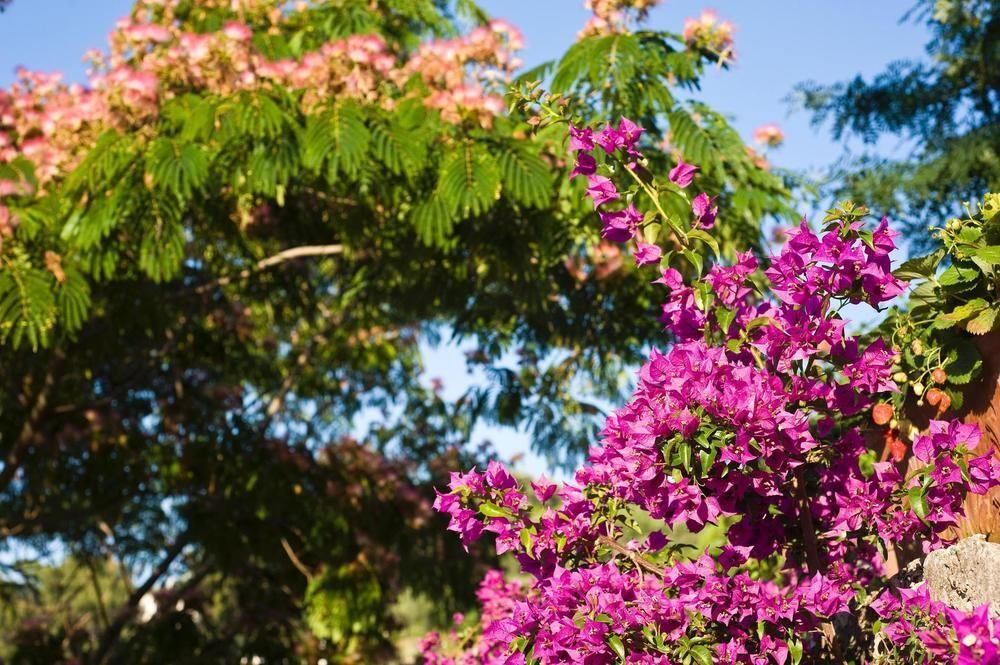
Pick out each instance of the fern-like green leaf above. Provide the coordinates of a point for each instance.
(433, 222)
(73, 299)
(469, 181)
(161, 252)
(27, 302)
(177, 168)
(526, 178)
(337, 138)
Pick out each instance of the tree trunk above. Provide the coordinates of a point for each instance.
(982, 406)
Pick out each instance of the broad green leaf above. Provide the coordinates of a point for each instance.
(616, 645)
(989, 254)
(705, 238)
(493, 510)
(957, 275)
(920, 267)
(918, 501)
(984, 322)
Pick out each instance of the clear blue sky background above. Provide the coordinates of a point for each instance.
(778, 42)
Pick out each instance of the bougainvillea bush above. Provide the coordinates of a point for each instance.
(753, 421)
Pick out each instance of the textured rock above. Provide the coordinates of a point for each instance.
(965, 575)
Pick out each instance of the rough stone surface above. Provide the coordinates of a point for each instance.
(965, 575)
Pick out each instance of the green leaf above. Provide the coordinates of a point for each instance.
(73, 299)
(965, 364)
(616, 645)
(724, 317)
(702, 654)
(985, 322)
(161, 251)
(705, 238)
(693, 140)
(961, 314)
(795, 651)
(402, 150)
(958, 275)
(920, 267)
(695, 259)
(526, 542)
(526, 178)
(990, 254)
(469, 180)
(433, 222)
(918, 501)
(491, 509)
(685, 453)
(27, 302)
(177, 168)
(337, 138)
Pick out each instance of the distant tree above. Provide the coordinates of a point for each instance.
(226, 249)
(945, 109)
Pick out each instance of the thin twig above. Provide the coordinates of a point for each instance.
(271, 261)
(296, 561)
(638, 560)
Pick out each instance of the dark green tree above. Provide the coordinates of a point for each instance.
(229, 250)
(945, 109)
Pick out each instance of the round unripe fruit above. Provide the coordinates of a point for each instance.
(899, 377)
(917, 347)
(882, 413)
(939, 375)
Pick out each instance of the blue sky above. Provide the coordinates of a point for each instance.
(778, 42)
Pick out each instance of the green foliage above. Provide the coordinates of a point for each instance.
(27, 302)
(469, 181)
(194, 321)
(943, 108)
(641, 76)
(955, 300)
(345, 604)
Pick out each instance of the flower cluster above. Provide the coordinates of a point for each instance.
(769, 135)
(619, 147)
(498, 599)
(749, 426)
(611, 16)
(915, 623)
(153, 58)
(709, 33)
(444, 66)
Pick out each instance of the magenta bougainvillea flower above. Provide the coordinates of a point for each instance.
(683, 174)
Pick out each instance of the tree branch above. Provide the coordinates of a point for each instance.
(11, 460)
(296, 561)
(271, 261)
(111, 636)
